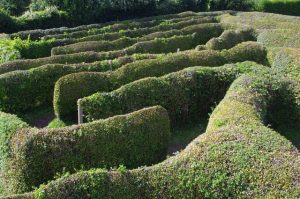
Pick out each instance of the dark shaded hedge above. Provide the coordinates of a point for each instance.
(70, 88)
(139, 138)
(38, 33)
(86, 57)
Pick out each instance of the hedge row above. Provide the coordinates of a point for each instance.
(160, 45)
(202, 29)
(186, 94)
(8, 126)
(86, 57)
(230, 38)
(139, 138)
(158, 25)
(70, 88)
(38, 33)
(231, 159)
(24, 90)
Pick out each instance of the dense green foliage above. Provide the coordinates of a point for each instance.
(250, 148)
(70, 88)
(139, 138)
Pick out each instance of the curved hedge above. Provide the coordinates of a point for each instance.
(23, 90)
(139, 138)
(9, 124)
(60, 59)
(227, 161)
(161, 25)
(38, 33)
(230, 38)
(70, 88)
(205, 30)
(185, 94)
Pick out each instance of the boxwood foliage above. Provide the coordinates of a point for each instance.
(205, 30)
(108, 26)
(139, 138)
(9, 124)
(227, 161)
(24, 90)
(161, 25)
(230, 38)
(70, 88)
(26, 64)
(185, 94)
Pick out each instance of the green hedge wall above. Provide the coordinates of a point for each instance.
(230, 38)
(139, 138)
(8, 126)
(185, 94)
(206, 30)
(70, 88)
(87, 57)
(24, 90)
(133, 29)
(38, 33)
(231, 159)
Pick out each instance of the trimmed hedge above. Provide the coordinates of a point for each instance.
(8, 126)
(38, 33)
(87, 57)
(70, 88)
(139, 138)
(231, 159)
(185, 94)
(209, 30)
(230, 38)
(159, 25)
(23, 90)
(96, 46)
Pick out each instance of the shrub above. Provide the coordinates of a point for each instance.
(231, 5)
(37, 84)
(139, 138)
(50, 17)
(14, 7)
(7, 23)
(97, 46)
(224, 162)
(287, 7)
(185, 94)
(61, 59)
(8, 126)
(230, 38)
(70, 88)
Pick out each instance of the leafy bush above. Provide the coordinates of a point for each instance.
(231, 5)
(8, 127)
(7, 23)
(70, 88)
(14, 7)
(139, 138)
(288, 7)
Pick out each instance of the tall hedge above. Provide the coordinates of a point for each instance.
(70, 88)
(24, 90)
(185, 94)
(9, 124)
(139, 138)
(231, 159)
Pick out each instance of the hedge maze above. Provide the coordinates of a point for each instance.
(139, 83)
